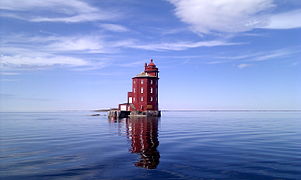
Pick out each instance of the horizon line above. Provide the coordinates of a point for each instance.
(167, 110)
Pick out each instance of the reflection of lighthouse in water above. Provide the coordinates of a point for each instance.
(143, 133)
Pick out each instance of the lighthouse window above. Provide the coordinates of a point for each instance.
(133, 99)
(141, 81)
(141, 99)
(151, 90)
(151, 81)
(134, 90)
(151, 99)
(141, 90)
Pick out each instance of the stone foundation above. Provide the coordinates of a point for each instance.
(124, 114)
(146, 113)
(118, 114)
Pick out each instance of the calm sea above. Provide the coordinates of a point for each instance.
(179, 145)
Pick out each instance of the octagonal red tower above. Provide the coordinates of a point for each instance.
(143, 100)
(144, 95)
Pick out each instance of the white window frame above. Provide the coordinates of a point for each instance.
(141, 90)
(151, 98)
(142, 81)
(151, 90)
(141, 99)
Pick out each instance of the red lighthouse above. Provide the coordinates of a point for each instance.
(144, 95)
(143, 100)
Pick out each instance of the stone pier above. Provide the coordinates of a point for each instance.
(116, 114)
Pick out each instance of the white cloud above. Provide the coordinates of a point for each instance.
(286, 20)
(256, 57)
(77, 43)
(53, 11)
(20, 60)
(114, 27)
(247, 59)
(92, 66)
(217, 62)
(132, 64)
(242, 66)
(177, 46)
(38, 51)
(279, 53)
(233, 16)
(72, 19)
(8, 73)
(43, 51)
(223, 15)
(21, 5)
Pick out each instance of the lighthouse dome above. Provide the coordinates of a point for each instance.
(152, 63)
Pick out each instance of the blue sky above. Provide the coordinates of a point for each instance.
(217, 54)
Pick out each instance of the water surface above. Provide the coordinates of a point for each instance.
(179, 145)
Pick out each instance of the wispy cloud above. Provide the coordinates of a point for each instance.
(218, 62)
(242, 66)
(89, 43)
(262, 55)
(114, 27)
(177, 46)
(35, 51)
(8, 73)
(286, 20)
(92, 66)
(71, 11)
(40, 51)
(232, 16)
(172, 31)
(78, 43)
(8, 80)
(50, 60)
(132, 64)
(249, 59)
(222, 15)
(280, 53)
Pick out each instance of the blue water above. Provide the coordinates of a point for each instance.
(179, 145)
